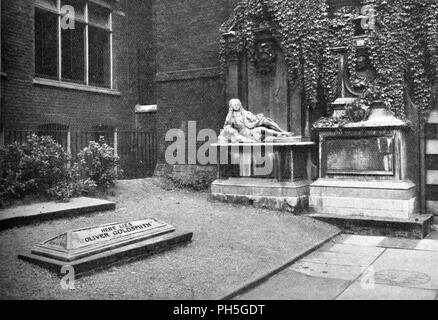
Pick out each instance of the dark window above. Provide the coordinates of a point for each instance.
(99, 57)
(46, 43)
(84, 38)
(73, 53)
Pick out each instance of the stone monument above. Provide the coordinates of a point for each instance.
(366, 182)
(265, 152)
(243, 126)
(265, 129)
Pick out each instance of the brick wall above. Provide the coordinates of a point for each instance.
(189, 87)
(27, 105)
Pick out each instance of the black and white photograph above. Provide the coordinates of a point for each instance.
(219, 155)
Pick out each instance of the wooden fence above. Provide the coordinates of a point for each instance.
(137, 149)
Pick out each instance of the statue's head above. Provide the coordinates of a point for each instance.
(235, 105)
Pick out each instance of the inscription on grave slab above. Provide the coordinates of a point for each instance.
(98, 235)
(83, 242)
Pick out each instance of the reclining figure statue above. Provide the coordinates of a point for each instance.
(242, 126)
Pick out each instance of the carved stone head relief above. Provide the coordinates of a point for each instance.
(265, 56)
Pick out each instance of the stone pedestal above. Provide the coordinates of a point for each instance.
(364, 173)
(374, 199)
(284, 187)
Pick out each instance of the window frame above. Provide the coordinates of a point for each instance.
(86, 23)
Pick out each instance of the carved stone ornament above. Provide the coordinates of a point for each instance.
(231, 47)
(357, 112)
(362, 78)
(265, 57)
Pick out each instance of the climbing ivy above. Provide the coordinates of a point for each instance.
(403, 50)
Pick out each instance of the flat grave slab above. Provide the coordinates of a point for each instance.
(30, 213)
(97, 246)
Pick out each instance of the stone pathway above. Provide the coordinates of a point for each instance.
(358, 267)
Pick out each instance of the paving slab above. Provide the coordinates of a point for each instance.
(428, 245)
(385, 292)
(342, 258)
(362, 240)
(407, 268)
(399, 243)
(322, 270)
(410, 244)
(52, 210)
(353, 249)
(290, 285)
(391, 269)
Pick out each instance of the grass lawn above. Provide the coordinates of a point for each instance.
(231, 246)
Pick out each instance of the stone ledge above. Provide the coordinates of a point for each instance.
(153, 108)
(187, 74)
(295, 205)
(52, 210)
(260, 191)
(391, 185)
(260, 182)
(363, 207)
(363, 193)
(418, 227)
(75, 86)
(264, 144)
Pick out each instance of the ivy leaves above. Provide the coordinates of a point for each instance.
(403, 50)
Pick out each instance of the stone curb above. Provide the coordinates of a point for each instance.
(53, 215)
(252, 284)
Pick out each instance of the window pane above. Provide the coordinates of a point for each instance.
(98, 16)
(47, 4)
(99, 57)
(46, 43)
(73, 53)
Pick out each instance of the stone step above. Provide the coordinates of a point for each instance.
(417, 227)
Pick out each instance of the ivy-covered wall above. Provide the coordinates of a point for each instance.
(402, 46)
